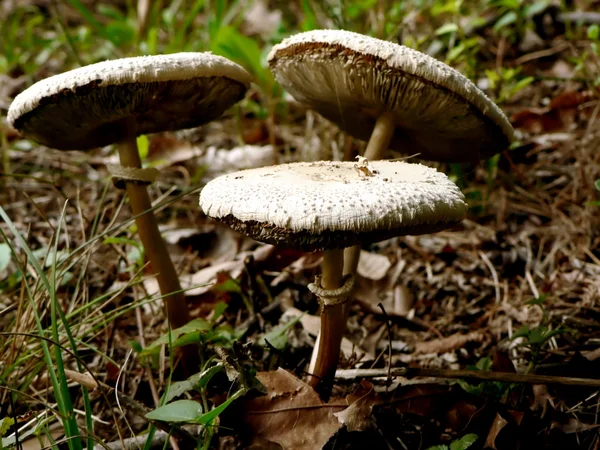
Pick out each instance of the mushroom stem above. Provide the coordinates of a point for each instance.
(154, 245)
(380, 137)
(378, 144)
(333, 326)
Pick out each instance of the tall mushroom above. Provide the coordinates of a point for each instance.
(391, 96)
(112, 102)
(329, 206)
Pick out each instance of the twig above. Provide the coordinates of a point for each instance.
(407, 372)
(586, 17)
(540, 54)
(389, 332)
(136, 442)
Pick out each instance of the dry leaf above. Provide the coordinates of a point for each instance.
(84, 379)
(499, 423)
(260, 20)
(312, 324)
(542, 398)
(373, 266)
(220, 161)
(447, 344)
(573, 426)
(558, 116)
(205, 279)
(291, 414)
(33, 443)
(357, 416)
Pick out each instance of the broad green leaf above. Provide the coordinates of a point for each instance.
(178, 411)
(506, 20)
(241, 49)
(218, 311)
(200, 380)
(535, 8)
(464, 443)
(229, 286)
(446, 28)
(310, 18)
(196, 325)
(5, 425)
(277, 337)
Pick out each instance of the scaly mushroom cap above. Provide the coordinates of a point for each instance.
(325, 205)
(92, 106)
(351, 79)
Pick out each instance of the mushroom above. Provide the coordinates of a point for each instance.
(112, 102)
(391, 96)
(329, 206)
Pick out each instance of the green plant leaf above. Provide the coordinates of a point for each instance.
(535, 8)
(521, 332)
(438, 447)
(213, 413)
(310, 18)
(242, 49)
(597, 184)
(196, 325)
(218, 311)
(200, 379)
(5, 425)
(446, 28)
(178, 411)
(277, 337)
(464, 443)
(506, 20)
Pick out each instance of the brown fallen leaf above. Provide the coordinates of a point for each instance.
(358, 416)
(447, 344)
(495, 429)
(542, 399)
(291, 414)
(373, 266)
(421, 399)
(84, 379)
(205, 279)
(312, 324)
(557, 116)
(573, 425)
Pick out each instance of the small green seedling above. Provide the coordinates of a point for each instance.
(460, 444)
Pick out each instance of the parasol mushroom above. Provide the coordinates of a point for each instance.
(114, 101)
(329, 206)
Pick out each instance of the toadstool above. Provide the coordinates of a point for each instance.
(391, 96)
(114, 101)
(329, 206)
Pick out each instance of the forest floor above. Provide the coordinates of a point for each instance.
(515, 288)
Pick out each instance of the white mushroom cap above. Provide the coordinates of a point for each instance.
(328, 204)
(88, 107)
(351, 79)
